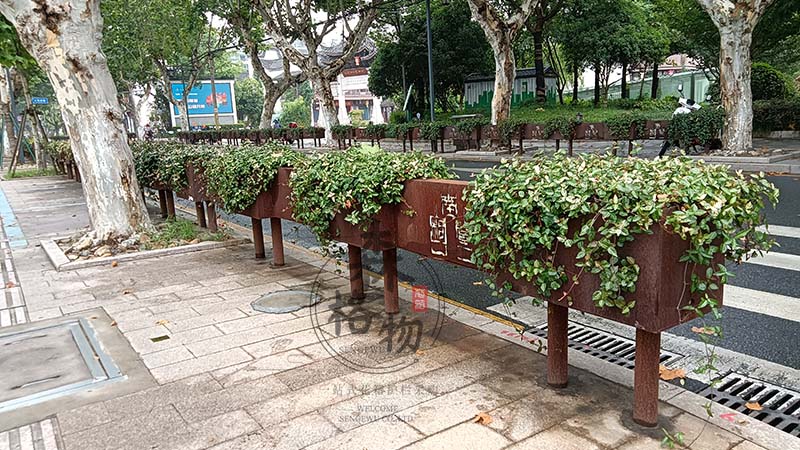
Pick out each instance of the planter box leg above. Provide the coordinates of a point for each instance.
(170, 203)
(201, 214)
(558, 145)
(645, 378)
(258, 238)
(557, 350)
(356, 272)
(277, 242)
(390, 294)
(162, 202)
(211, 212)
(77, 174)
(569, 147)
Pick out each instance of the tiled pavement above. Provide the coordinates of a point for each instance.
(232, 378)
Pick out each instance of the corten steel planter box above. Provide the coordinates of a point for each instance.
(275, 201)
(592, 131)
(534, 131)
(196, 188)
(434, 230)
(466, 141)
(380, 235)
(655, 130)
(360, 133)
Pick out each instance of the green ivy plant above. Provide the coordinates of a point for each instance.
(342, 131)
(164, 162)
(59, 150)
(431, 130)
(466, 127)
(239, 174)
(517, 220)
(357, 183)
(375, 131)
(621, 125)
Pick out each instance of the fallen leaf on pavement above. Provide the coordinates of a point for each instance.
(114, 264)
(477, 283)
(754, 406)
(482, 418)
(113, 323)
(127, 291)
(668, 374)
(703, 330)
(162, 322)
(10, 284)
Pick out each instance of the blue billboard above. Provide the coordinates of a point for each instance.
(200, 98)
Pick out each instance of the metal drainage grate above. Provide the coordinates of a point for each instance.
(781, 406)
(604, 345)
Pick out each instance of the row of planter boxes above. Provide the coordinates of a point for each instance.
(474, 139)
(433, 231)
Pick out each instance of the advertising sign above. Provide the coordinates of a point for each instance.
(201, 101)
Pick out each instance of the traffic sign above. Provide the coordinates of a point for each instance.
(40, 101)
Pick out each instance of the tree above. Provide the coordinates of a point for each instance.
(459, 49)
(297, 110)
(736, 22)
(309, 22)
(249, 101)
(249, 29)
(501, 31)
(64, 38)
(544, 12)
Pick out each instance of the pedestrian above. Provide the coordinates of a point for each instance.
(685, 106)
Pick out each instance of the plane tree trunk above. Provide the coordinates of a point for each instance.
(64, 37)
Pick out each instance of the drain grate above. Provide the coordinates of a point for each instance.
(781, 406)
(604, 345)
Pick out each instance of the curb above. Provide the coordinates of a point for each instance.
(61, 263)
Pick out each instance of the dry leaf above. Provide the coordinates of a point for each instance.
(114, 264)
(127, 291)
(477, 283)
(10, 284)
(113, 323)
(162, 322)
(754, 406)
(420, 352)
(703, 330)
(482, 418)
(668, 374)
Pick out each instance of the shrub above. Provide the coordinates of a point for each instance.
(59, 150)
(769, 83)
(776, 115)
(431, 130)
(620, 125)
(356, 182)
(164, 162)
(703, 125)
(518, 217)
(398, 116)
(564, 124)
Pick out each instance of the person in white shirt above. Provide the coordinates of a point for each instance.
(685, 106)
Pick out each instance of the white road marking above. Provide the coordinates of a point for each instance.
(49, 435)
(26, 438)
(777, 260)
(780, 230)
(4, 444)
(761, 302)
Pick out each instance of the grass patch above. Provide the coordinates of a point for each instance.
(533, 113)
(27, 173)
(177, 231)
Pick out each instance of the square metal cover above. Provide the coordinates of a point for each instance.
(42, 363)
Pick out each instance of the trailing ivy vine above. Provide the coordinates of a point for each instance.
(517, 219)
(239, 174)
(164, 162)
(357, 183)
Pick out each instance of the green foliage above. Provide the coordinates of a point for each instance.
(376, 131)
(703, 125)
(398, 116)
(342, 131)
(12, 52)
(297, 111)
(249, 101)
(357, 183)
(163, 163)
(176, 231)
(769, 83)
(508, 128)
(399, 130)
(431, 130)
(620, 126)
(59, 150)
(27, 173)
(239, 174)
(518, 218)
(773, 115)
(467, 126)
(565, 125)
(357, 118)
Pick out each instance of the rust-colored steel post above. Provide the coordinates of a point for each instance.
(69, 170)
(569, 147)
(557, 350)
(277, 241)
(391, 297)
(201, 214)
(258, 238)
(162, 202)
(170, 203)
(645, 378)
(630, 147)
(356, 272)
(211, 213)
(77, 174)
(558, 144)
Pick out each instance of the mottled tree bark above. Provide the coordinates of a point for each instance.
(736, 22)
(9, 134)
(64, 37)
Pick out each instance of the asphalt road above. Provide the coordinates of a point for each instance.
(770, 337)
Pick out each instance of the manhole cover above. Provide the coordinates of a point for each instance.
(42, 363)
(283, 302)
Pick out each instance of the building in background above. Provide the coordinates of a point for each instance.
(351, 89)
(479, 88)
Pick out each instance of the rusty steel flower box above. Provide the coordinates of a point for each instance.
(381, 234)
(592, 131)
(275, 201)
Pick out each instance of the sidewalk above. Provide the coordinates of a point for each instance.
(201, 369)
